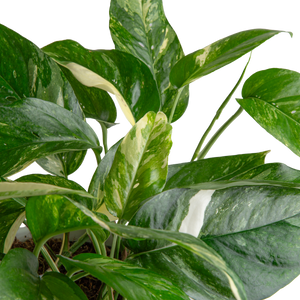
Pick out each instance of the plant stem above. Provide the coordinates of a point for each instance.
(220, 133)
(104, 136)
(175, 105)
(223, 106)
(49, 259)
(84, 238)
(95, 242)
(113, 246)
(110, 293)
(79, 275)
(97, 155)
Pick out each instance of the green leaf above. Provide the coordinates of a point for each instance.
(132, 282)
(51, 215)
(249, 227)
(119, 73)
(188, 242)
(217, 55)
(32, 128)
(87, 201)
(96, 187)
(141, 28)
(211, 169)
(28, 189)
(25, 71)
(63, 164)
(95, 103)
(262, 254)
(140, 165)
(12, 214)
(20, 280)
(272, 99)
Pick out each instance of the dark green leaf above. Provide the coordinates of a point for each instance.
(271, 96)
(223, 52)
(20, 280)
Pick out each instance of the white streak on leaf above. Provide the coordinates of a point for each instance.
(201, 58)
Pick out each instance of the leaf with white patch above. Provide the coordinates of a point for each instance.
(33, 128)
(141, 28)
(217, 55)
(119, 73)
(140, 165)
(197, 247)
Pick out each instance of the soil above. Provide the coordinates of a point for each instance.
(90, 285)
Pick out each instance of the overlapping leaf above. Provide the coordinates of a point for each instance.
(141, 28)
(252, 227)
(51, 215)
(33, 128)
(12, 213)
(272, 99)
(119, 73)
(140, 165)
(130, 281)
(211, 169)
(20, 280)
(186, 241)
(217, 55)
(25, 71)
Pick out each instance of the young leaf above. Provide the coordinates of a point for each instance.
(217, 55)
(272, 99)
(32, 128)
(140, 167)
(141, 28)
(20, 280)
(132, 282)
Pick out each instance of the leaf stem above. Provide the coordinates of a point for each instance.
(104, 136)
(97, 152)
(175, 104)
(79, 275)
(220, 133)
(113, 246)
(220, 109)
(49, 260)
(95, 242)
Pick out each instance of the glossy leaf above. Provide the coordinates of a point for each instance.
(217, 55)
(211, 169)
(95, 103)
(20, 280)
(33, 128)
(141, 28)
(119, 73)
(186, 241)
(132, 282)
(140, 167)
(26, 189)
(272, 99)
(96, 187)
(51, 215)
(245, 228)
(63, 164)
(25, 71)
(12, 214)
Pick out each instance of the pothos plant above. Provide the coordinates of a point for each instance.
(217, 228)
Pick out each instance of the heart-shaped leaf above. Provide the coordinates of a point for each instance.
(119, 73)
(32, 128)
(20, 280)
(141, 28)
(51, 215)
(260, 254)
(272, 99)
